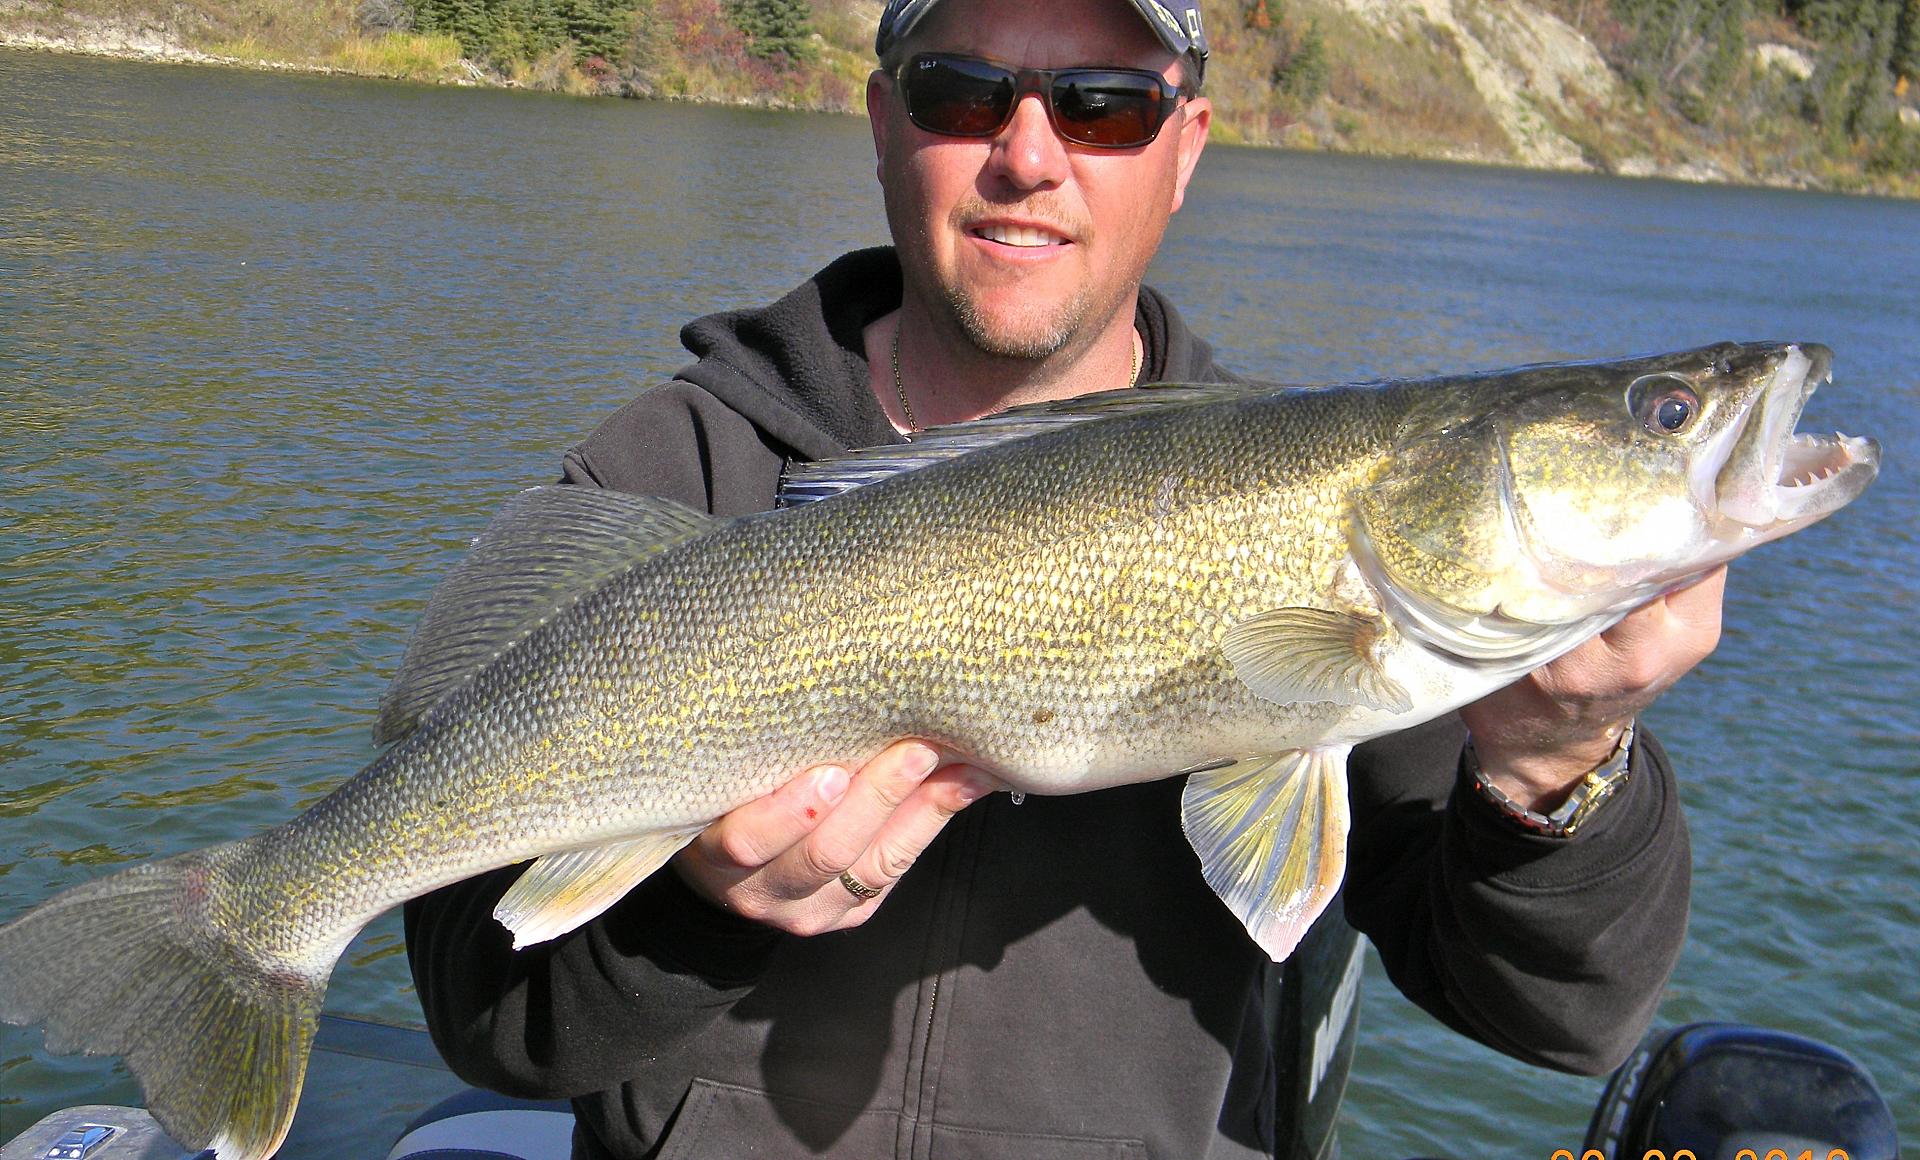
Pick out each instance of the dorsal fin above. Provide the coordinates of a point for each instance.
(545, 548)
(820, 479)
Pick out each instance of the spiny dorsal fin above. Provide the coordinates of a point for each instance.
(560, 891)
(1311, 654)
(545, 548)
(1271, 833)
(806, 482)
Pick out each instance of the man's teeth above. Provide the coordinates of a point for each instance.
(1018, 236)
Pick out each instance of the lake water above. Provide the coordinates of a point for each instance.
(272, 347)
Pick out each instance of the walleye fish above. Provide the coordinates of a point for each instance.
(1239, 581)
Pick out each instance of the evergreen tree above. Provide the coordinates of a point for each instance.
(526, 29)
(1852, 93)
(597, 27)
(1303, 75)
(467, 21)
(1687, 50)
(1906, 51)
(774, 27)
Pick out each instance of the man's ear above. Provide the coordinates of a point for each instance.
(1196, 119)
(879, 109)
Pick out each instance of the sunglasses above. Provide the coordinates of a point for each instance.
(1107, 108)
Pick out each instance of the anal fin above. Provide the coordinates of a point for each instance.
(1271, 833)
(560, 891)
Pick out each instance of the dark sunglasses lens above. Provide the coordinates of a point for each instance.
(961, 98)
(1107, 108)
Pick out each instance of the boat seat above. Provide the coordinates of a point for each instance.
(482, 1125)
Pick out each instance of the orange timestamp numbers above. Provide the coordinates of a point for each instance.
(1687, 1154)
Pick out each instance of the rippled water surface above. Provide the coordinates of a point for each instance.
(272, 347)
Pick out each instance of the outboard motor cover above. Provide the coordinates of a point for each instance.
(1730, 1091)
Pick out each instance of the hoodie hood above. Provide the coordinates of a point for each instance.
(798, 368)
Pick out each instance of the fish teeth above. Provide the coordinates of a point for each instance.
(1809, 475)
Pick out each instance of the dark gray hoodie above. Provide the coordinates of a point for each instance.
(1052, 980)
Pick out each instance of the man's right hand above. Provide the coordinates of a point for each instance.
(778, 859)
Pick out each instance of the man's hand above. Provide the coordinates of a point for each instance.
(1539, 736)
(778, 859)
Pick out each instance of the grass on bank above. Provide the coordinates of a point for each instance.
(409, 56)
(396, 55)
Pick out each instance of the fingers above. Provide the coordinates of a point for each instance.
(1698, 609)
(877, 793)
(1692, 609)
(906, 833)
(763, 829)
(1652, 647)
(1565, 716)
(779, 858)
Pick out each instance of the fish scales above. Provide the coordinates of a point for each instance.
(955, 603)
(1245, 579)
(1067, 581)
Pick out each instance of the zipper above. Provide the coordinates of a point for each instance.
(945, 940)
(933, 1003)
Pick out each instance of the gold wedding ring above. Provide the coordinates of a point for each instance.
(856, 887)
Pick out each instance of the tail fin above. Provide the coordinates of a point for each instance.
(133, 965)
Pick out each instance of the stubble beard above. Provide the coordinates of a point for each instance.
(1032, 330)
(1032, 335)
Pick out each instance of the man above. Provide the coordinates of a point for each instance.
(1053, 978)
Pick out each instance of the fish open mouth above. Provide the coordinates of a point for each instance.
(1812, 459)
(1775, 479)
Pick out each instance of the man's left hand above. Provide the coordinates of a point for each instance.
(1539, 736)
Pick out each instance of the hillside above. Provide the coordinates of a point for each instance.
(1808, 93)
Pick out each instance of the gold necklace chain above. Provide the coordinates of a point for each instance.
(906, 408)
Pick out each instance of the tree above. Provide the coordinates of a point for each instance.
(1852, 95)
(526, 29)
(467, 21)
(598, 27)
(774, 27)
(1906, 51)
(1303, 75)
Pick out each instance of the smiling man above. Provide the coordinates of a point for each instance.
(1053, 979)
(1022, 249)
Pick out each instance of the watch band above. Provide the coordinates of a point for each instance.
(1600, 783)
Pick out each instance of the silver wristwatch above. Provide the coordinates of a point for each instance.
(1601, 783)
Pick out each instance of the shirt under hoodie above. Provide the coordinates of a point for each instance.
(1051, 980)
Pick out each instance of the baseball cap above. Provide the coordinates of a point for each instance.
(1182, 32)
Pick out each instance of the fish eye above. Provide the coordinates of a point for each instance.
(1674, 410)
(1664, 404)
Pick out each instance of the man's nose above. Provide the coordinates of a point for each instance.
(1028, 154)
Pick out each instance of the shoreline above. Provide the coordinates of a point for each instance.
(156, 47)
(151, 49)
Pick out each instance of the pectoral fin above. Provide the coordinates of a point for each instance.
(1311, 654)
(1271, 832)
(560, 891)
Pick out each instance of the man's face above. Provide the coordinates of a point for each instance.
(1023, 240)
